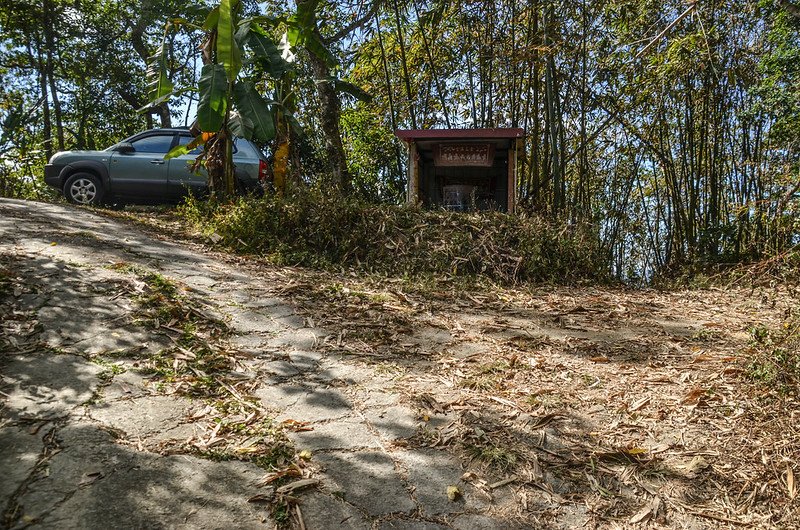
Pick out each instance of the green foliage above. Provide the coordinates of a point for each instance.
(224, 83)
(20, 176)
(321, 229)
(779, 86)
(211, 20)
(213, 102)
(259, 122)
(228, 53)
(301, 31)
(371, 153)
(160, 87)
(281, 514)
(267, 54)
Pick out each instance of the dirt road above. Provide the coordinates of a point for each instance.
(151, 383)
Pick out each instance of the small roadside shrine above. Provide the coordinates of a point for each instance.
(463, 169)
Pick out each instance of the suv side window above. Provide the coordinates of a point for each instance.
(157, 143)
(183, 140)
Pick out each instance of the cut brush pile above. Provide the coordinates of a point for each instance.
(313, 229)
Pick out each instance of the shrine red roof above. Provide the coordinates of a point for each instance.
(458, 134)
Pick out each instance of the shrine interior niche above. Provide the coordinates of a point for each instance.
(463, 170)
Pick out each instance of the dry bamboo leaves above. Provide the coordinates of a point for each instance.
(628, 385)
(651, 511)
(791, 487)
(296, 486)
(629, 370)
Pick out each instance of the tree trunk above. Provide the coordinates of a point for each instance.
(411, 111)
(392, 118)
(535, 169)
(49, 42)
(47, 139)
(163, 114)
(551, 106)
(330, 112)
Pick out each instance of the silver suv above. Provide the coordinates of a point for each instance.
(134, 171)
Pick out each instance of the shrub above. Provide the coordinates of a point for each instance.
(775, 363)
(22, 177)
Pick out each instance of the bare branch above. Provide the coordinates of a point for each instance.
(342, 33)
(790, 8)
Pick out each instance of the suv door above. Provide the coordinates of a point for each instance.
(144, 172)
(181, 177)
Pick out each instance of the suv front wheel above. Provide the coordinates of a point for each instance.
(84, 188)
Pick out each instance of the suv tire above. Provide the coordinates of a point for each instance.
(85, 189)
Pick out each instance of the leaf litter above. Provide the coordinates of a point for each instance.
(620, 407)
(620, 403)
(229, 424)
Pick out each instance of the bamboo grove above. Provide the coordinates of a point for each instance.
(670, 127)
(685, 152)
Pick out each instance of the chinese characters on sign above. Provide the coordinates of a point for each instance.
(480, 155)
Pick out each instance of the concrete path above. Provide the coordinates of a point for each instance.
(87, 440)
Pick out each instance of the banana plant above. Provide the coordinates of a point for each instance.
(229, 104)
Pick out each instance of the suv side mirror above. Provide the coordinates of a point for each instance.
(125, 148)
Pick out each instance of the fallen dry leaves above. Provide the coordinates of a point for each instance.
(632, 405)
(607, 407)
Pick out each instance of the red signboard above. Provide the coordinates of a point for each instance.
(476, 155)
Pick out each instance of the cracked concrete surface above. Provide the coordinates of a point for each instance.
(79, 443)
